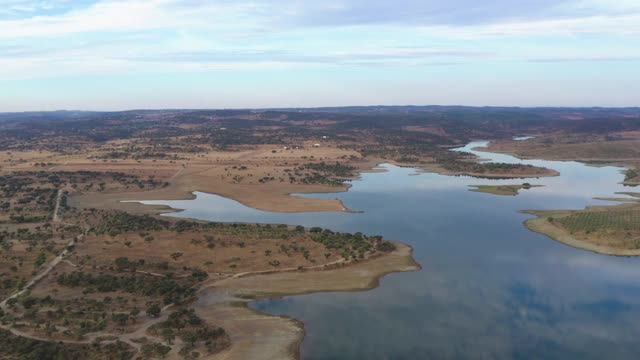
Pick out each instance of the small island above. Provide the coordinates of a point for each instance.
(504, 190)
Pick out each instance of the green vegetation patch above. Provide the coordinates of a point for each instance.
(193, 331)
(511, 190)
(597, 220)
(172, 291)
(352, 245)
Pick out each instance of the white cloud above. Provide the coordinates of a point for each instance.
(117, 36)
(249, 17)
(594, 25)
(127, 16)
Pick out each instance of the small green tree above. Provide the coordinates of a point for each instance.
(40, 260)
(168, 335)
(189, 338)
(154, 310)
(122, 263)
(120, 319)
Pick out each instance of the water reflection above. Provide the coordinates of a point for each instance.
(489, 287)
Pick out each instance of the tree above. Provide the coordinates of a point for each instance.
(40, 259)
(28, 302)
(199, 275)
(122, 263)
(120, 319)
(21, 283)
(168, 335)
(189, 338)
(149, 350)
(154, 310)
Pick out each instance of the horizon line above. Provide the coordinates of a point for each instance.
(328, 107)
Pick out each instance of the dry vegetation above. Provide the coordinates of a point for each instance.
(257, 158)
(127, 282)
(591, 147)
(105, 283)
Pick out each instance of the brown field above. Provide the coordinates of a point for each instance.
(218, 173)
(255, 175)
(224, 254)
(622, 150)
(617, 147)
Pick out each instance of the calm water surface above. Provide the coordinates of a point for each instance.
(489, 288)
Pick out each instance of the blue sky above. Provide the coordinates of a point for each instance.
(113, 54)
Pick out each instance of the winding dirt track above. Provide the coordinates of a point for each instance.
(56, 210)
(51, 264)
(90, 337)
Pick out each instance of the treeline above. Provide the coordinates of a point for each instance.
(18, 347)
(171, 291)
(337, 169)
(351, 245)
(354, 246)
(320, 173)
(481, 168)
(31, 181)
(114, 223)
(117, 222)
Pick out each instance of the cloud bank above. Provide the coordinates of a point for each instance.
(64, 38)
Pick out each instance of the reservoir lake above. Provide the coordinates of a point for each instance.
(489, 288)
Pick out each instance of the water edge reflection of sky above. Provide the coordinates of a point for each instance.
(489, 288)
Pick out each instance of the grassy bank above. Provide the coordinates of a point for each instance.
(604, 230)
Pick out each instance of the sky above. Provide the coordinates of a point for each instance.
(116, 55)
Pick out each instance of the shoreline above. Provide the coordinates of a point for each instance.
(285, 334)
(132, 201)
(622, 163)
(270, 197)
(437, 169)
(254, 334)
(540, 225)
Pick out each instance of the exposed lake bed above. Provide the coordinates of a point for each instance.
(489, 287)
